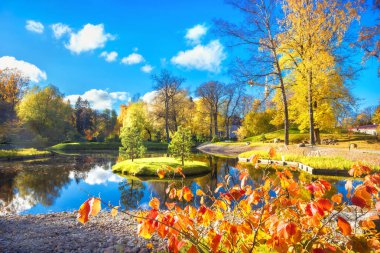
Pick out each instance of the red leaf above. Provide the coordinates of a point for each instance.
(192, 249)
(344, 226)
(187, 194)
(215, 243)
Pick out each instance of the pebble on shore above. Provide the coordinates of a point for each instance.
(61, 232)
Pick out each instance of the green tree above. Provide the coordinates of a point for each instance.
(44, 111)
(132, 142)
(180, 146)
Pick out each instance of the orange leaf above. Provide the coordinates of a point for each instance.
(178, 170)
(154, 203)
(377, 206)
(161, 173)
(114, 211)
(95, 206)
(91, 206)
(187, 194)
(337, 198)
(344, 226)
(272, 152)
(200, 192)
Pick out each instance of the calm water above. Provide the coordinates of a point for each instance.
(63, 183)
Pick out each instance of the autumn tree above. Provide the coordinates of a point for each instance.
(132, 143)
(259, 34)
(369, 36)
(45, 112)
(212, 93)
(12, 87)
(257, 121)
(83, 115)
(181, 143)
(313, 31)
(167, 86)
(136, 115)
(232, 103)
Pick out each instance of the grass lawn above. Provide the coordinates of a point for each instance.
(364, 141)
(86, 146)
(147, 167)
(151, 146)
(317, 162)
(20, 153)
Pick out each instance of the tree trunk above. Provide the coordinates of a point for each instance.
(284, 100)
(317, 136)
(210, 124)
(227, 128)
(167, 120)
(311, 112)
(216, 121)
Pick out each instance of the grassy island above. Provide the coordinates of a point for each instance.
(22, 154)
(147, 167)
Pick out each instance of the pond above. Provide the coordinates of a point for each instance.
(64, 182)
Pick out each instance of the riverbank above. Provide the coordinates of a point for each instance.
(23, 154)
(84, 146)
(61, 232)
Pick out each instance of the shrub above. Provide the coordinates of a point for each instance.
(282, 213)
(215, 138)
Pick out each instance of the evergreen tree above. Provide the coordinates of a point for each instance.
(132, 142)
(180, 145)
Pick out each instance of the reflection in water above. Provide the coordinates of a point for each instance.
(62, 183)
(131, 193)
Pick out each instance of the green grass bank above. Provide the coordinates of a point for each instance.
(316, 162)
(147, 167)
(27, 153)
(83, 146)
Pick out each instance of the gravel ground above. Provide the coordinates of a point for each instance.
(61, 232)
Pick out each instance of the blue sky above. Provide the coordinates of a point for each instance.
(146, 35)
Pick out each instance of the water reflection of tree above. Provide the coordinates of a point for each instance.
(131, 193)
(44, 186)
(42, 181)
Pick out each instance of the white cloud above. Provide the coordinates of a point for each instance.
(101, 99)
(109, 57)
(194, 34)
(89, 38)
(100, 175)
(34, 26)
(60, 29)
(208, 57)
(28, 69)
(147, 68)
(133, 58)
(149, 96)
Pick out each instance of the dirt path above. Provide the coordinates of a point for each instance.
(60, 232)
(232, 150)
